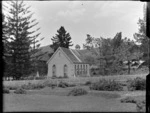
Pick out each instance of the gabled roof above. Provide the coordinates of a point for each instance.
(74, 55)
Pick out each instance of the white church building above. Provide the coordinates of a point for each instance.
(67, 63)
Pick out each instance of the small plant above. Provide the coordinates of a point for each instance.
(77, 92)
(136, 84)
(6, 90)
(106, 85)
(20, 91)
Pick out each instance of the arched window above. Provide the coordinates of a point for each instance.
(65, 70)
(54, 71)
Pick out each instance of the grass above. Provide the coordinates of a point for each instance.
(49, 99)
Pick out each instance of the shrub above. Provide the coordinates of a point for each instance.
(12, 87)
(128, 100)
(136, 84)
(6, 90)
(30, 86)
(88, 83)
(20, 91)
(141, 106)
(106, 85)
(38, 86)
(63, 84)
(77, 92)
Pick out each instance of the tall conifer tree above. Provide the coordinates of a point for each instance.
(23, 39)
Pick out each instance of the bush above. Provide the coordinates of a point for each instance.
(128, 100)
(20, 91)
(30, 86)
(65, 84)
(88, 83)
(141, 106)
(106, 85)
(6, 90)
(12, 87)
(77, 92)
(136, 84)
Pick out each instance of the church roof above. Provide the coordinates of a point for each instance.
(74, 55)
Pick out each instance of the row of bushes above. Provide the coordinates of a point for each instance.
(103, 84)
(136, 84)
(17, 91)
(107, 85)
(37, 86)
(112, 85)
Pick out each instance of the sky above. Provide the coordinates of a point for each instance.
(79, 18)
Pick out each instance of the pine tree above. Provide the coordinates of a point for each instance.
(62, 39)
(6, 46)
(23, 39)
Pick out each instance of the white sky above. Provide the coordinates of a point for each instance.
(97, 18)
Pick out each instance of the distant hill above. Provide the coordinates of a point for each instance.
(45, 51)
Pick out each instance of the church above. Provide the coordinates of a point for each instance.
(67, 63)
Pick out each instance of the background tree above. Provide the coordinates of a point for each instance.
(141, 38)
(23, 38)
(112, 52)
(62, 39)
(77, 47)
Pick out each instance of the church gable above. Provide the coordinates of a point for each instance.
(58, 56)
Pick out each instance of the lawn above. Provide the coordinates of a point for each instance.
(49, 99)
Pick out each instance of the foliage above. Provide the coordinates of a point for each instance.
(20, 91)
(88, 83)
(6, 90)
(142, 39)
(106, 85)
(141, 106)
(62, 39)
(65, 84)
(30, 86)
(49, 84)
(136, 84)
(111, 53)
(12, 87)
(21, 37)
(128, 100)
(77, 92)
